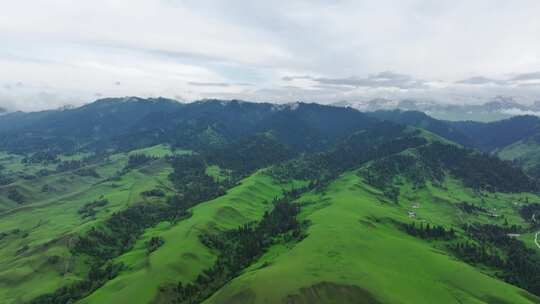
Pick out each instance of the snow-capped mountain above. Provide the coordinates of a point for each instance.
(499, 107)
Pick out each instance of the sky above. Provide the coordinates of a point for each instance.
(64, 52)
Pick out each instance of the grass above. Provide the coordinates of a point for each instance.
(524, 152)
(353, 249)
(183, 257)
(49, 221)
(353, 241)
(13, 165)
(217, 173)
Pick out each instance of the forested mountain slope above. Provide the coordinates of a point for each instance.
(236, 202)
(130, 123)
(513, 139)
(422, 120)
(499, 134)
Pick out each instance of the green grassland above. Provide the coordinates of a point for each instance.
(183, 256)
(354, 249)
(34, 257)
(524, 151)
(217, 173)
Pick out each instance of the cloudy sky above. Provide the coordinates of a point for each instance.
(56, 52)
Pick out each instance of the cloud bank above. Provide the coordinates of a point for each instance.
(56, 52)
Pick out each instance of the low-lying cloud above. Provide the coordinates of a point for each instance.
(273, 51)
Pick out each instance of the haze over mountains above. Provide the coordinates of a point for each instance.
(497, 108)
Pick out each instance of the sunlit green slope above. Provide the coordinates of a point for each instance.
(34, 252)
(183, 257)
(525, 152)
(355, 252)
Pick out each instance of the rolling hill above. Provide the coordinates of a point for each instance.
(153, 201)
(514, 139)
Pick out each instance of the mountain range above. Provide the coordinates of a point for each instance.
(499, 107)
(132, 200)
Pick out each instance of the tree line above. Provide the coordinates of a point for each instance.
(239, 248)
(117, 234)
(429, 232)
(493, 246)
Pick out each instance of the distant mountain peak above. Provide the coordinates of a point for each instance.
(496, 108)
(504, 102)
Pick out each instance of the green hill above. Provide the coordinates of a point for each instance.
(525, 153)
(355, 253)
(235, 202)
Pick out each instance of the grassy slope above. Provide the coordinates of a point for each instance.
(352, 242)
(52, 220)
(525, 151)
(183, 257)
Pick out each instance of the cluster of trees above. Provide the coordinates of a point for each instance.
(493, 234)
(89, 209)
(377, 142)
(470, 208)
(248, 155)
(476, 170)
(429, 232)
(137, 160)
(303, 167)
(154, 243)
(79, 166)
(97, 277)
(473, 253)
(41, 157)
(24, 143)
(153, 192)
(530, 213)
(192, 183)
(240, 247)
(494, 247)
(373, 144)
(382, 172)
(118, 233)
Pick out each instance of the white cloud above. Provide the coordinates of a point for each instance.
(68, 52)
